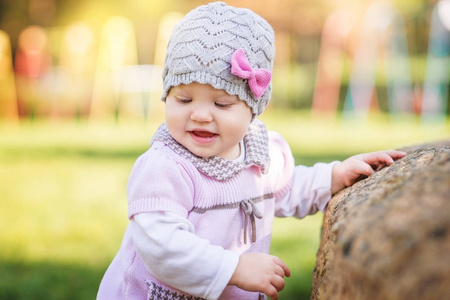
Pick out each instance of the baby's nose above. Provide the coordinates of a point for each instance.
(201, 114)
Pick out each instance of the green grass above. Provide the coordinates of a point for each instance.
(63, 196)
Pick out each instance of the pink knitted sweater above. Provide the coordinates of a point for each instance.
(230, 204)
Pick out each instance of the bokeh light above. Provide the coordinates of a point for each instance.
(32, 60)
(87, 59)
(8, 101)
(435, 93)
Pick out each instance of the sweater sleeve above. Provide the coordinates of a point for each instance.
(170, 250)
(309, 193)
(299, 190)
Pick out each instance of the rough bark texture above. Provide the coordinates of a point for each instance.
(388, 236)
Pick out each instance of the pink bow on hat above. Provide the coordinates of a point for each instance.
(258, 80)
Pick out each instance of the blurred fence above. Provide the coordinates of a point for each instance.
(364, 62)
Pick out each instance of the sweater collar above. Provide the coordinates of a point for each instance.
(256, 147)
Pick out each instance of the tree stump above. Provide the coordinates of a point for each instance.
(388, 236)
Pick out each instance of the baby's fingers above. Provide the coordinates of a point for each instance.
(271, 292)
(278, 283)
(284, 268)
(377, 158)
(395, 154)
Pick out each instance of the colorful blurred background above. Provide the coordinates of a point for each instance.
(80, 82)
(99, 58)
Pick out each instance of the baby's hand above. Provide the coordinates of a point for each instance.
(259, 272)
(362, 165)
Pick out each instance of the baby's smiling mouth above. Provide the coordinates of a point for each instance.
(203, 134)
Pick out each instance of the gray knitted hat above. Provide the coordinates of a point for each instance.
(203, 43)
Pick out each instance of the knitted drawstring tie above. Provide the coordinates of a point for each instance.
(250, 210)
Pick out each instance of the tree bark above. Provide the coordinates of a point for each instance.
(388, 236)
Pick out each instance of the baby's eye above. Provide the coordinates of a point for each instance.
(184, 100)
(222, 105)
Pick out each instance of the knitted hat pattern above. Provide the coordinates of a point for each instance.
(203, 42)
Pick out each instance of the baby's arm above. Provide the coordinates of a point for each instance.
(260, 272)
(358, 166)
(173, 254)
(176, 256)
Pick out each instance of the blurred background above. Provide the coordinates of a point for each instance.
(80, 83)
(99, 58)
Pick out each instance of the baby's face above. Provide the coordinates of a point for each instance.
(207, 121)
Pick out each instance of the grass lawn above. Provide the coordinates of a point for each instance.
(63, 195)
